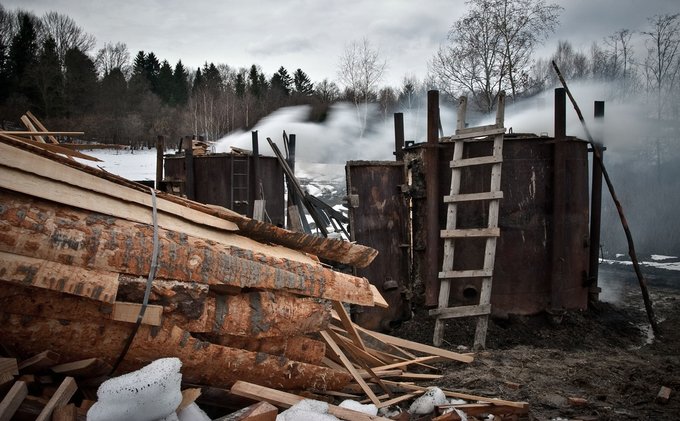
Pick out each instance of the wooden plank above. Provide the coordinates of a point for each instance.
(407, 363)
(471, 197)
(99, 285)
(482, 160)
(41, 127)
(94, 241)
(461, 311)
(472, 133)
(664, 394)
(378, 299)
(286, 400)
(52, 148)
(189, 396)
(453, 274)
(89, 367)
(350, 367)
(261, 411)
(9, 366)
(65, 413)
(60, 398)
(259, 209)
(31, 129)
(12, 400)
(41, 361)
(415, 346)
(348, 325)
(129, 312)
(459, 395)
(41, 133)
(471, 233)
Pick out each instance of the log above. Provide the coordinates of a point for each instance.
(265, 314)
(331, 249)
(297, 348)
(61, 234)
(95, 284)
(187, 298)
(44, 303)
(202, 362)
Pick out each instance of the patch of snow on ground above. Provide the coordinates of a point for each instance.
(662, 257)
(675, 266)
(134, 165)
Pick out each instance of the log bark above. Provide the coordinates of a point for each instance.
(297, 348)
(86, 239)
(95, 284)
(266, 314)
(255, 314)
(335, 250)
(202, 362)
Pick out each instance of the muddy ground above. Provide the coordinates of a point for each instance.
(604, 355)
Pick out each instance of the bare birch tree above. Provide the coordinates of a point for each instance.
(361, 69)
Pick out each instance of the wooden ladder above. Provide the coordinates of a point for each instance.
(491, 232)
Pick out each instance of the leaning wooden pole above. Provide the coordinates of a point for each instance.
(619, 208)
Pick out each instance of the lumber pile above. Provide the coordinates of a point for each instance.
(76, 248)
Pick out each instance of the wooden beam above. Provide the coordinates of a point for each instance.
(12, 400)
(89, 367)
(40, 133)
(38, 124)
(40, 361)
(415, 346)
(65, 413)
(286, 400)
(129, 312)
(9, 366)
(51, 148)
(350, 367)
(261, 411)
(60, 398)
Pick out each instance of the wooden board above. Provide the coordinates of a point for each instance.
(89, 367)
(129, 312)
(12, 400)
(286, 400)
(60, 398)
(40, 361)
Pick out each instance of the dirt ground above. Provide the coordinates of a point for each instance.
(604, 355)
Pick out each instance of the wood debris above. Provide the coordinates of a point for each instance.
(246, 306)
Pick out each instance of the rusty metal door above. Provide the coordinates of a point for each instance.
(378, 214)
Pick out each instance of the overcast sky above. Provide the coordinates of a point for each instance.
(312, 34)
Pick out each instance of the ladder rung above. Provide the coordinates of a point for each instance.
(462, 311)
(471, 232)
(470, 134)
(473, 197)
(482, 160)
(451, 274)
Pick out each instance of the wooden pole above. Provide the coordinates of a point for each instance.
(619, 208)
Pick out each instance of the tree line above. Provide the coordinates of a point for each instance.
(49, 65)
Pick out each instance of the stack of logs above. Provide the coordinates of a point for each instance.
(76, 248)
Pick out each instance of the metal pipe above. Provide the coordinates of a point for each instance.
(189, 188)
(254, 178)
(160, 149)
(619, 208)
(399, 136)
(595, 213)
(431, 272)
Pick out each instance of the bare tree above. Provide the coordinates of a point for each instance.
(327, 91)
(662, 64)
(522, 24)
(113, 57)
(361, 69)
(66, 33)
(490, 49)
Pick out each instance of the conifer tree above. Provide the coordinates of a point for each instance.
(303, 85)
